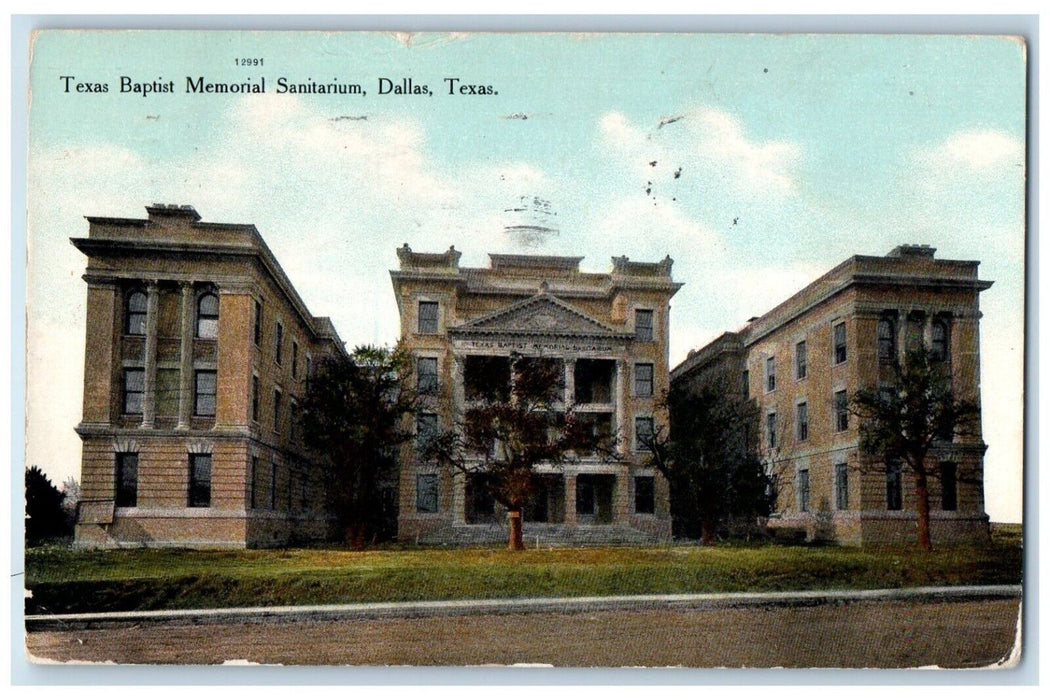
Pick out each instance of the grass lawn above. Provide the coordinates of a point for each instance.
(63, 580)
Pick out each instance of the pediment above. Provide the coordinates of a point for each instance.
(542, 314)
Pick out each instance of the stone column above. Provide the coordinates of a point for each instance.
(570, 498)
(458, 392)
(570, 381)
(621, 504)
(623, 436)
(459, 499)
(150, 380)
(186, 356)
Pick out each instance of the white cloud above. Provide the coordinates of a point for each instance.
(707, 144)
(973, 151)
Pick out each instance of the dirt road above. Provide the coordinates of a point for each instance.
(859, 634)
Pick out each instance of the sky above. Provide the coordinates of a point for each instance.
(757, 162)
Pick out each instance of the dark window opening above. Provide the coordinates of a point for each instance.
(644, 495)
(887, 340)
(894, 487)
(278, 344)
(841, 411)
(643, 432)
(771, 374)
(939, 341)
(800, 360)
(841, 487)
(803, 490)
(949, 486)
(427, 376)
(127, 479)
(134, 390)
(426, 493)
(426, 430)
(204, 393)
(276, 411)
(771, 430)
(428, 317)
(643, 379)
(802, 419)
(643, 324)
(840, 343)
(486, 378)
(255, 398)
(135, 314)
(593, 380)
(208, 316)
(200, 481)
(257, 330)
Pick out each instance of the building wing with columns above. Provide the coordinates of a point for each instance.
(801, 361)
(610, 331)
(198, 353)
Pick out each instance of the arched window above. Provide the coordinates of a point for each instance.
(887, 339)
(208, 315)
(939, 340)
(135, 314)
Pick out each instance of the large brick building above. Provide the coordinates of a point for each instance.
(800, 363)
(198, 353)
(609, 330)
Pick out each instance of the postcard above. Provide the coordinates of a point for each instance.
(580, 350)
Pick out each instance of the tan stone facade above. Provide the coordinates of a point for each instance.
(609, 330)
(198, 353)
(804, 358)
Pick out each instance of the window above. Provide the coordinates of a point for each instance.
(277, 410)
(841, 411)
(894, 499)
(841, 487)
(135, 314)
(208, 315)
(427, 376)
(293, 420)
(771, 430)
(252, 482)
(426, 430)
(643, 379)
(887, 340)
(802, 421)
(204, 393)
(428, 317)
(800, 360)
(949, 486)
(643, 324)
(771, 374)
(644, 498)
(273, 486)
(255, 399)
(840, 342)
(643, 432)
(127, 479)
(426, 493)
(745, 382)
(200, 481)
(803, 490)
(134, 390)
(939, 341)
(278, 343)
(295, 359)
(257, 329)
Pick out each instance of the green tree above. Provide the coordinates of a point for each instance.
(516, 422)
(44, 518)
(353, 413)
(902, 424)
(709, 456)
